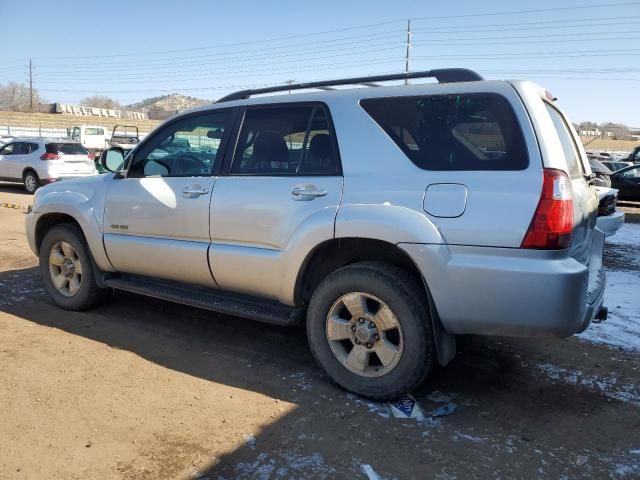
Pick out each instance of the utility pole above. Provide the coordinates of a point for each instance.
(30, 87)
(407, 57)
(290, 82)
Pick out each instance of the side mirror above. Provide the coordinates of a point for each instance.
(112, 159)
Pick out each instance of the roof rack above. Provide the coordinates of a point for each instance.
(443, 75)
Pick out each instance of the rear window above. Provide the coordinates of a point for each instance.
(94, 131)
(66, 149)
(568, 146)
(476, 131)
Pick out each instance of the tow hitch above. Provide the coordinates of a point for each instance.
(601, 316)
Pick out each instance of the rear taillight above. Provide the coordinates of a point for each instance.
(49, 156)
(91, 156)
(552, 224)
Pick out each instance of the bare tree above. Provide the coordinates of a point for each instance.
(100, 101)
(14, 97)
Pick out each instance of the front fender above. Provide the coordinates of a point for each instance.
(81, 200)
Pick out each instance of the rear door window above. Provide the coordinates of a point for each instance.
(569, 148)
(94, 131)
(285, 140)
(475, 131)
(66, 149)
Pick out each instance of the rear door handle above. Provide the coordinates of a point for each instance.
(307, 193)
(194, 191)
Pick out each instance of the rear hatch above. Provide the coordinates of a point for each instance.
(585, 199)
(73, 158)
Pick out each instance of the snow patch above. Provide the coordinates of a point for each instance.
(629, 234)
(608, 386)
(622, 328)
(284, 465)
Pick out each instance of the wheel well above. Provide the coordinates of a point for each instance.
(27, 170)
(50, 220)
(336, 253)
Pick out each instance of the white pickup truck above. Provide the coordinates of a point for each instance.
(92, 137)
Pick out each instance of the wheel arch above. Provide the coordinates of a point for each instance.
(332, 254)
(49, 220)
(28, 169)
(51, 214)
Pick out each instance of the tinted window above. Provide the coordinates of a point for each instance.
(31, 147)
(568, 146)
(292, 140)
(187, 148)
(66, 149)
(632, 172)
(477, 131)
(8, 149)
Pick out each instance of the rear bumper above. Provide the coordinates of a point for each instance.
(610, 224)
(502, 291)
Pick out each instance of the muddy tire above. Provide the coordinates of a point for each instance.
(66, 269)
(369, 328)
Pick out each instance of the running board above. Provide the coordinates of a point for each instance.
(239, 305)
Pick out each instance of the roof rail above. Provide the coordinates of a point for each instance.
(443, 75)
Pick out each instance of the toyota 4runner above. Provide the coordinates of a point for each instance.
(389, 219)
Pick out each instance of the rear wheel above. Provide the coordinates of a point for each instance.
(66, 269)
(369, 327)
(31, 181)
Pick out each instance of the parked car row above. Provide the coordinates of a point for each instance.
(615, 161)
(626, 180)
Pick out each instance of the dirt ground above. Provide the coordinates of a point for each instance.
(145, 389)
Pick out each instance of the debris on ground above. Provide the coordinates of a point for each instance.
(369, 472)
(444, 410)
(406, 407)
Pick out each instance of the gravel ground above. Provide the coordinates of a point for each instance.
(144, 389)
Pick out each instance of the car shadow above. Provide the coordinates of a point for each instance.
(331, 433)
(6, 187)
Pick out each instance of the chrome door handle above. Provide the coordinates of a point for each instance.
(306, 193)
(194, 191)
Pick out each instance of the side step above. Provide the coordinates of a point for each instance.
(239, 305)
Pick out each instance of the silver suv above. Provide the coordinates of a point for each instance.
(388, 219)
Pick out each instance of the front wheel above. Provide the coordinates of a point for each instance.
(66, 269)
(369, 328)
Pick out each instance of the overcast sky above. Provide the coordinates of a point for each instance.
(585, 52)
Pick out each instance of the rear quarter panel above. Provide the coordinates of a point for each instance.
(377, 173)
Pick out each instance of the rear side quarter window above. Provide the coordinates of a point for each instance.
(475, 131)
(571, 154)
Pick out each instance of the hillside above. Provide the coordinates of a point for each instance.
(167, 103)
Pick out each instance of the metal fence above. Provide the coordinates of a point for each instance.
(32, 131)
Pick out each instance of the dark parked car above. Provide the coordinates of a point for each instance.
(627, 181)
(634, 156)
(602, 173)
(615, 166)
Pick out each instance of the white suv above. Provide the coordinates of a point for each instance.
(38, 161)
(388, 219)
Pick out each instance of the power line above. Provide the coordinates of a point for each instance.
(480, 41)
(290, 58)
(537, 10)
(572, 21)
(326, 32)
(252, 67)
(341, 41)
